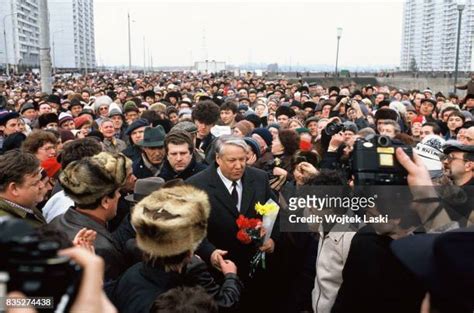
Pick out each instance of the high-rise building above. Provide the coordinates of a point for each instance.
(429, 39)
(20, 31)
(72, 33)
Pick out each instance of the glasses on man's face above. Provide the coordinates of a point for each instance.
(103, 108)
(448, 158)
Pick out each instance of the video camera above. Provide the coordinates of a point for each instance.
(374, 161)
(33, 266)
(333, 128)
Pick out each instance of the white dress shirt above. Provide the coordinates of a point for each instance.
(228, 184)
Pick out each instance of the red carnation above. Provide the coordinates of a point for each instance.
(305, 145)
(242, 222)
(254, 222)
(243, 237)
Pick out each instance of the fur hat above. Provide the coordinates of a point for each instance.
(386, 114)
(45, 119)
(89, 179)
(102, 101)
(283, 110)
(171, 221)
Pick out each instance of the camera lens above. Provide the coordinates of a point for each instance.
(383, 141)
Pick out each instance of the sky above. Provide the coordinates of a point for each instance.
(179, 33)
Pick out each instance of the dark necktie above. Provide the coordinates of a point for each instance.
(234, 194)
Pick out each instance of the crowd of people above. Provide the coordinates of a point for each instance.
(142, 181)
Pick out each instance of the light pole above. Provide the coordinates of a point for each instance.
(339, 34)
(460, 9)
(7, 66)
(54, 51)
(129, 48)
(144, 57)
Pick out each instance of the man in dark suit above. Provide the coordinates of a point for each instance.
(233, 189)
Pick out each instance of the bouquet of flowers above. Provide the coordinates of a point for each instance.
(250, 231)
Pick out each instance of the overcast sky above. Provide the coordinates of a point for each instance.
(249, 31)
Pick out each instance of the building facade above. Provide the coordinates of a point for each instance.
(72, 34)
(429, 37)
(20, 32)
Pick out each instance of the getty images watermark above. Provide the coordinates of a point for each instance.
(311, 206)
(334, 209)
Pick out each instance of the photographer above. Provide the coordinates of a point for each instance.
(373, 278)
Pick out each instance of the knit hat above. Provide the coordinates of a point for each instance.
(88, 180)
(66, 135)
(64, 117)
(265, 134)
(81, 120)
(51, 166)
(244, 126)
(45, 119)
(253, 144)
(129, 106)
(114, 112)
(430, 149)
(171, 221)
(141, 122)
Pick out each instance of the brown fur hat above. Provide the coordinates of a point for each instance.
(171, 221)
(89, 179)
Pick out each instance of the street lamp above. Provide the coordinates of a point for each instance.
(339, 34)
(460, 9)
(129, 47)
(7, 67)
(54, 51)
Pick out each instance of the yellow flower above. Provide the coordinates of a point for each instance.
(264, 209)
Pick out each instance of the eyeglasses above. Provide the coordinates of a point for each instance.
(48, 148)
(103, 108)
(450, 158)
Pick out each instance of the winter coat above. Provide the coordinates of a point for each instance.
(141, 284)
